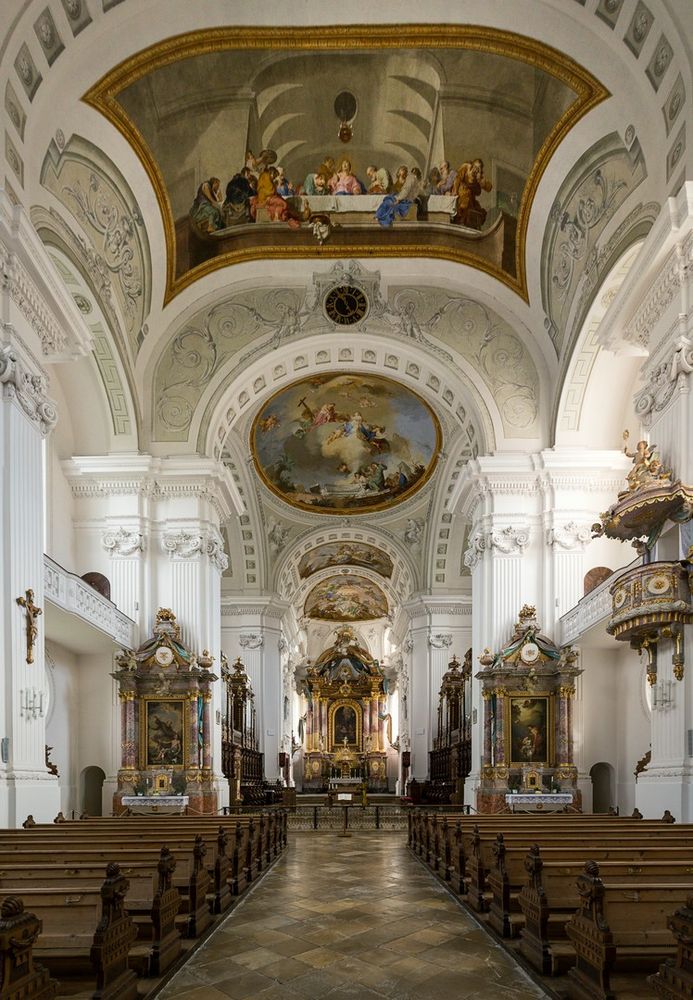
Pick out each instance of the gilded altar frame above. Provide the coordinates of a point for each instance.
(546, 724)
(333, 709)
(147, 762)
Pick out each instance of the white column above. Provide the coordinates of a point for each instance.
(251, 628)
(439, 628)
(26, 415)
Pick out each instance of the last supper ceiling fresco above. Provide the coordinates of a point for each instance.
(346, 599)
(345, 443)
(428, 141)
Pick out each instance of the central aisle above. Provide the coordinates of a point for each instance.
(350, 918)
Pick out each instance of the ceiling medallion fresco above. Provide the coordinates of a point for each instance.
(346, 599)
(345, 554)
(447, 133)
(345, 443)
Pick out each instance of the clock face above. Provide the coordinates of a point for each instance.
(346, 305)
(529, 652)
(164, 656)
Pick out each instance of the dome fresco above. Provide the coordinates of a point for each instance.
(346, 599)
(345, 443)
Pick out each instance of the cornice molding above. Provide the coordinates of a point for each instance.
(155, 479)
(674, 272)
(27, 276)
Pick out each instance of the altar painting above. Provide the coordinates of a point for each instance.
(345, 724)
(346, 599)
(163, 725)
(319, 126)
(344, 554)
(345, 443)
(529, 735)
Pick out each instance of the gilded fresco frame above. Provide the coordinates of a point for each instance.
(345, 512)
(147, 765)
(549, 727)
(589, 93)
(332, 711)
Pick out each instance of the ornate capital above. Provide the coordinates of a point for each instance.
(476, 546)
(28, 390)
(121, 542)
(195, 545)
(510, 540)
(569, 536)
(251, 640)
(663, 380)
(440, 640)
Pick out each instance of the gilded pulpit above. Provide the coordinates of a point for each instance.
(346, 728)
(165, 693)
(527, 689)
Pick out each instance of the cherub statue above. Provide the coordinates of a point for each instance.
(647, 466)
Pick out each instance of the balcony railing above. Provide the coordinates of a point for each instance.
(69, 592)
(592, 609)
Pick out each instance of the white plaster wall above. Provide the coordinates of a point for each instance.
(98, 721)
(82, 721)
(62, 721)
(616, 720)
(60, 535)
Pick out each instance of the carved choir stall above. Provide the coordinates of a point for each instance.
(242, 762)
(450, 759)
(527, 691)
(346, 722)
(166, 722)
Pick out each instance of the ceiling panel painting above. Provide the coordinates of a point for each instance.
(345, 443)
(345, 553)
(335, 142)
(346, 599)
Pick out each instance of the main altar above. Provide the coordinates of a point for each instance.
(346, 722)
(165, 692)
(527, 689)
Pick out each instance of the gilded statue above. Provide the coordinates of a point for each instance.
(647, 467)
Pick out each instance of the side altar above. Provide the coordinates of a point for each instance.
(346, 721)
(165, 693)
(527, 689)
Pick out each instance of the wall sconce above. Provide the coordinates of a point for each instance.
(661, 695)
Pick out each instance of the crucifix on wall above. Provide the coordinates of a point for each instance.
(32, 613)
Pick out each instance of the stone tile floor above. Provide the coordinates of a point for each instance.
(350, 919)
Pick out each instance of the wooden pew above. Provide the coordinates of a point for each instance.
(625, 922)
(87, 940)
(549, 898)
(20, 976)
(675, 979)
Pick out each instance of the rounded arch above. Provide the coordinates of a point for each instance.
(306, 587)
(288, 579)
(451, 392)
(91, 790)
(603, 778)
(592, 403)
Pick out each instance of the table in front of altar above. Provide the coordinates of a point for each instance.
(531, 802)
(156, 805)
